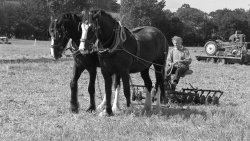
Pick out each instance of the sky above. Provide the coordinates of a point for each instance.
(207, 5)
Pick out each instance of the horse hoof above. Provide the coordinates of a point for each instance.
(91, 109)
(74, 108)
(157, 109)
(129, 110)
(104, 113)
(116, 109)
(145, 111)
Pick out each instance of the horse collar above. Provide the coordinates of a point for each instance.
(116, 36)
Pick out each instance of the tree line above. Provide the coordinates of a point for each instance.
(28, 19)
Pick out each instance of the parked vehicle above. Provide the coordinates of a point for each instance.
(227, 52)
(4, 40)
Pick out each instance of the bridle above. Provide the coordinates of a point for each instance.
(93, 46)
(57, 34)
(110, 42)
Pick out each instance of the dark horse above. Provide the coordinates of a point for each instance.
(63, 28)
(145, 46)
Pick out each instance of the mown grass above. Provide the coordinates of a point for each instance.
(34, 104)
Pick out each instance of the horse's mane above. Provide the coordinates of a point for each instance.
(105, 13)
(137, 29)
(70, 16)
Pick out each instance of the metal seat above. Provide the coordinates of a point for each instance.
(188, 72)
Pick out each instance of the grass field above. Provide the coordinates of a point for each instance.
(34, 102)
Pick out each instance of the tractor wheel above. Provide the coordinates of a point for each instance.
(211, 48)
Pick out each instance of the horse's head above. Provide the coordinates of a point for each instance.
(102, 26)
(63, 28)
(88, 41)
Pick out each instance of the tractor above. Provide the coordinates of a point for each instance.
(227, 52)
(4, 40)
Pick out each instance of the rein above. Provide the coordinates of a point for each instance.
(113, 35)
(74, 51)
(120, 38)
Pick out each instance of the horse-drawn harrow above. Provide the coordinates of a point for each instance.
(185, 96)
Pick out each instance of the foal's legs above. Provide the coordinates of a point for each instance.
(148, 85)
(91, 88)
(74, 105)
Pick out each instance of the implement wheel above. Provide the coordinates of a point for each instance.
(211, 48)
(221, 61)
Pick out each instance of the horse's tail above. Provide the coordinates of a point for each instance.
(165, 57)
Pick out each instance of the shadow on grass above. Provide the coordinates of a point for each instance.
(170, 111)
(35, 60)
(185, 113)
(232, 104)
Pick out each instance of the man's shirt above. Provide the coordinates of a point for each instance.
(176, 55)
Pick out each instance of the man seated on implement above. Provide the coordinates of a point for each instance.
(178, 61)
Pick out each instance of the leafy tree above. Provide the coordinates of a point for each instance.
(109, 5)
(228, 21)
(33, 15)
(128, 12)
(139, 13)
(8, 14)
(195, 21)
(177, 26)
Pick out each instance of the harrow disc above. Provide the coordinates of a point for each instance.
(184, 99)
(133, 96)
(190, 99)
(196, 99)
(202, 99)
(172, 98)
(153, 99)
(209, 100)
(215, 100)
(195, 96)
(140, 96)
